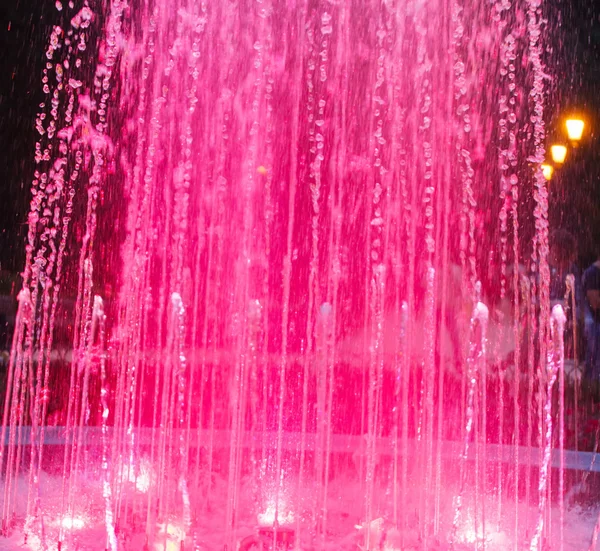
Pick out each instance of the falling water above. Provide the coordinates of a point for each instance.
(555, 367)
(321, 210)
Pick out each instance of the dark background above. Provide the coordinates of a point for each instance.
(574, 191)
(23, 29)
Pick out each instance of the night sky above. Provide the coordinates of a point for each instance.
(24, 30)
(575, 190)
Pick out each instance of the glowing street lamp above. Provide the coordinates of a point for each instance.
(575, 129)
(547, 171)
(559, 153)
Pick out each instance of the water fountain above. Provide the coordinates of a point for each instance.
(296, 256)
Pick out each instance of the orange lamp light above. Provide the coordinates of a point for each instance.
(575, 129)
(559, 153)
(547, 171)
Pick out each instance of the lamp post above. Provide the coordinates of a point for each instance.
(575, 127)
(547, 171)
(559, 153)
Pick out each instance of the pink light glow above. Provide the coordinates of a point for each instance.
(73, 523)
(174, 536)
(268, 517)
(343, 310)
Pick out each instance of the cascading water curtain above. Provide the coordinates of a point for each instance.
(332, 306)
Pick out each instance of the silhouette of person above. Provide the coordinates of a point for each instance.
(591, 317)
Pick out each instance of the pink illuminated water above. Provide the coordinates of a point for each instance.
(302, 251)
